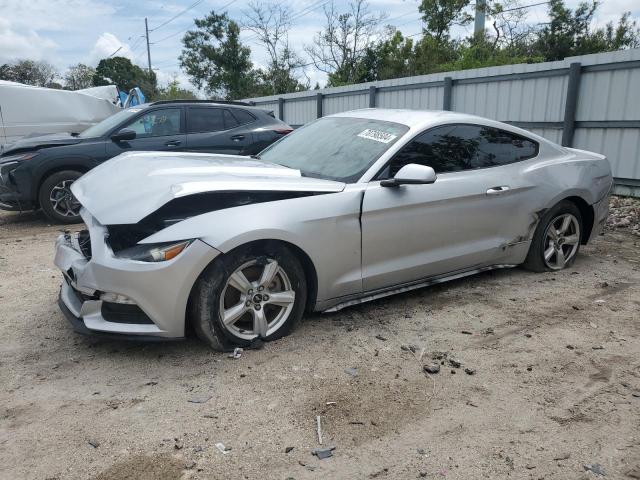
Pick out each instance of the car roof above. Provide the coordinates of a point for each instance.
(421, 119)
(410, 118)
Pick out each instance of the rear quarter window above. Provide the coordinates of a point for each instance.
(243, 116)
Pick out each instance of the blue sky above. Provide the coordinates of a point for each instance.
(65, 32)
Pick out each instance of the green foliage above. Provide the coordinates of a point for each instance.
(173, 92)
(29, 72)
(215, 59)
(440, 15)
(569, 33)
(79, 76)
(121, 72)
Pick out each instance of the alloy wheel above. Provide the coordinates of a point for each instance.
(63, 201)
(561, 241)
(257, 299)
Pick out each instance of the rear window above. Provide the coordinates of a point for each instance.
(204, 119)
(243, 116)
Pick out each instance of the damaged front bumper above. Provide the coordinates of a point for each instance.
(113, 296)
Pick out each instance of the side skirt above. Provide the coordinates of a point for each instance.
(406, 287)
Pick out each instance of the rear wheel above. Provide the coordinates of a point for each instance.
(57, 201)
(251, 293)
(556, 241)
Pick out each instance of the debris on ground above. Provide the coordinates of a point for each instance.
(351, 371)
(178, 444)
(470, 371)
(236, 354)
(455, 363)
(595, 468)
(319, 428)
(466, 332)
(624, 213)
(94, 443)
(201, 399)
(224, 450)
(432, 368)
(190, 465)
(381, 338)
(409, 348)
(323, 453)
(288, 450)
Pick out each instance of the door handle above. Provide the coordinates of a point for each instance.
(173, 143)
(498, 190)
(237, 138)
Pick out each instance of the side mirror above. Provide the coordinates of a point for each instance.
(411, 174)
(124, 135)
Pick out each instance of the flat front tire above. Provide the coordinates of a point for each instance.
(57, 201)
(556, 241)
(255, 292)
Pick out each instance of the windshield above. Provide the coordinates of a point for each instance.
(335, 148)
(100, 129)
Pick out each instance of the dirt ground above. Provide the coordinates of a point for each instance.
(556, 383)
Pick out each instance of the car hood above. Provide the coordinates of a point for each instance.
(131, 186)
(41, 141)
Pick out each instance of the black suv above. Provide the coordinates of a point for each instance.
(37, 172)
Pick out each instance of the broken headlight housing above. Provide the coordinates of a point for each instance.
(154, 252)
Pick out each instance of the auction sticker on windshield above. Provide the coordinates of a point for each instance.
(377, 135)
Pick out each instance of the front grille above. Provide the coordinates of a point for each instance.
(124, 313)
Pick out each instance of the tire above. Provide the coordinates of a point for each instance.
(566, 245)
(57, 186)
(219, 289)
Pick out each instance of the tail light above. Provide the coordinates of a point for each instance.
(283, 131)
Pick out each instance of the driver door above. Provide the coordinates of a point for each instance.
(412, 232)
(161, 129)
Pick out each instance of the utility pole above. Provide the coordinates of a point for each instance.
(481, 6)
(146, 28)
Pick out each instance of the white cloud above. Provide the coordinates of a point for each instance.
(106, 46)
(23, 44)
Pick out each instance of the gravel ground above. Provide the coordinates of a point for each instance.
(555, 384)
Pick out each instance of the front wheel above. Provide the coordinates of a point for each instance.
(556, 241)
(250, 293)
(57, 201)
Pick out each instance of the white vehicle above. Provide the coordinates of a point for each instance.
(27, 111)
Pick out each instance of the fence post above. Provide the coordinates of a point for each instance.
(281, 108)
(571, 104)
(319, 98)
(446, 100)
(372, 96)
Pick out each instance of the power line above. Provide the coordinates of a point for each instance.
(524, 6)
(193, 5)
(185, 29)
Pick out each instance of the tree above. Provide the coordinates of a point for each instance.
(121, 72)
(271, 24)
(215, 59)
(391, 57)
(340, 47)
(79, 76)
(570, 32)
(173, 92)
(440, 15)
(29, 72)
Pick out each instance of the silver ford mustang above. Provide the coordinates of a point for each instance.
(349, 208)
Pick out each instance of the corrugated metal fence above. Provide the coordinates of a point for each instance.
(590, 102)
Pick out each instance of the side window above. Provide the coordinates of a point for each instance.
(499, 147)
(243, 116)
(157, 123)
(229, 120)
(438, 148)
(204, 119)
(454, 148)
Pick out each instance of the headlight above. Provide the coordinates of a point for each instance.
(155, 252)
